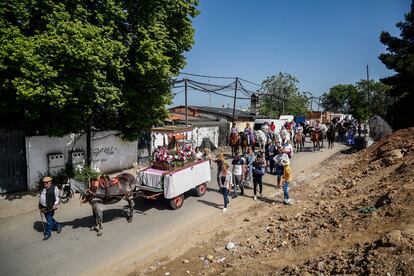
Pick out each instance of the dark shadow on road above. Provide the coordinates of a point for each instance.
(18, 195)
(212, 204)
(269, 184)
(89, 221)
(213, 190)
(37, 226)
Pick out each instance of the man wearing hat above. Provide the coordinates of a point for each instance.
(48, 203)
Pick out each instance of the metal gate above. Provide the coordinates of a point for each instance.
(13, 170)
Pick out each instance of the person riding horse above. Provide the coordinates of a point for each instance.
(234, 139)
(250, 135)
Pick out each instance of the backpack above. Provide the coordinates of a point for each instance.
(259, 172)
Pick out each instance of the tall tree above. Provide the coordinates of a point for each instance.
(400, 58)
(67, 64)
(280, 95)
(340, 98)
(378, 97)
(354, 99)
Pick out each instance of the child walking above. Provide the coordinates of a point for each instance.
(287, 178)
(225, 183)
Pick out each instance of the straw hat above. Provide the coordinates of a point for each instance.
(47, 179)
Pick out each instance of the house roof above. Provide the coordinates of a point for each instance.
(222, 111)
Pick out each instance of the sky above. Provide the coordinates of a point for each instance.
(320, 42)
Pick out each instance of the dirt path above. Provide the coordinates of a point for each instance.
(155, 233)
(201, 232)
(353, 215)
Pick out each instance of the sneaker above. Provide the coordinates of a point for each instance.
(255, 198)
(260, 195)
(224, 209)
(59, 229)
(287, 201)
(228, 204)
(46, 237)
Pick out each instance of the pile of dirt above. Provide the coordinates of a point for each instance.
(356, 218)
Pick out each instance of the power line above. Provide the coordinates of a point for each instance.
(206, 76)
(250, 82)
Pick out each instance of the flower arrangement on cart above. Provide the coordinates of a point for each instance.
(167, 159)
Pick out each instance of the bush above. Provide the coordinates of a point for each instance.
(86, 173)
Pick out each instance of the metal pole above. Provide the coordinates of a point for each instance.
(235, 95)
(367, 90)
(186, 107)
(319, 103)
(88, 143)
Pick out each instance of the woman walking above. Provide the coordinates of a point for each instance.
(219, 161)
(226, 182)
(250, 157)
(258, 172)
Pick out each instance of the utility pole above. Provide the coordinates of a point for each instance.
(88, 143)
(367, 90)
(186, 107)
(235, 95)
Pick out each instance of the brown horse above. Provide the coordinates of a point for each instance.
(316, 137)
(234, 143)
(107, 191)
(330, 134)
(244, 142)
(299, 142)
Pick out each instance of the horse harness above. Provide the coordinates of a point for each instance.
(105, 183)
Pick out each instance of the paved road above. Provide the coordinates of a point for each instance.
(77, 250)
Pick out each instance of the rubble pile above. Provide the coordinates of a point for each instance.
(357, 217)
(357, 224)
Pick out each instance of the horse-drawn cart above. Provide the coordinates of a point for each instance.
(173, 183)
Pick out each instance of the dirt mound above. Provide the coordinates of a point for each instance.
(355, 218)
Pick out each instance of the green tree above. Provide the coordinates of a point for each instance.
(378, 96)
(340, 98)
(67, 64)
(280, 95)
(353, 99)
(400, 58)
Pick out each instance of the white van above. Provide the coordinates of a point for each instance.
(287, 118)
(258, 123)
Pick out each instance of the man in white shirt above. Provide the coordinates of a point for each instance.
(48, 202)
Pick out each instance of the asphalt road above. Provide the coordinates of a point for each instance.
(77, 250)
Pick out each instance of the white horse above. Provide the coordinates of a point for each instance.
(261, 138)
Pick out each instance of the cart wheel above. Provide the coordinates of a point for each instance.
(201, 189)
(177, 202)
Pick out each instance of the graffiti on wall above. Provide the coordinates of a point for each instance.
(101, 154)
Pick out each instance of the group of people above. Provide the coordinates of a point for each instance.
(249, 169)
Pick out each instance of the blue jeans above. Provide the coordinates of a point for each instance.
(225, 196)
(52, 224)
(286, 190)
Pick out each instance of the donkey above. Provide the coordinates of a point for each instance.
(107, 191)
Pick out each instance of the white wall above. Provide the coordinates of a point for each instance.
(199, 133)
(109, 152)
(197, 136)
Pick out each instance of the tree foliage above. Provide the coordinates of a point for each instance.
(280, 95)
(353, 99)
(400, 58)
(64, 64)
